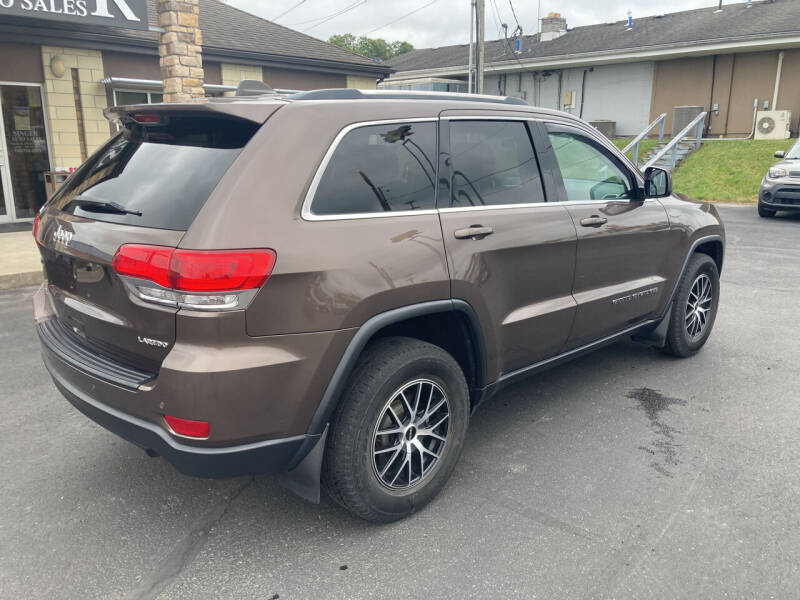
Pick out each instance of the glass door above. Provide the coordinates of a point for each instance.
(23, 152)
(4, 216)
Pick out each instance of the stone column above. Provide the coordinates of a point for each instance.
(180, 49)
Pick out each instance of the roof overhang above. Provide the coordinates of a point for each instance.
(146, 42)
(613, 57)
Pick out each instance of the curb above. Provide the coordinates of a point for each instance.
(20, 280)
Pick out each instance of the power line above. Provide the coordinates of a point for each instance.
(341, 12)
(400, 18)
(498, 21)
(323, 18)
(288, 10)
(514, 14)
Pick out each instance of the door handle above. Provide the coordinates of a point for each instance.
(593, 221)
(475, 232)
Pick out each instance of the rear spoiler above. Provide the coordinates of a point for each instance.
(240, 108)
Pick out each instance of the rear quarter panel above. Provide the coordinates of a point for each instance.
(329, 274)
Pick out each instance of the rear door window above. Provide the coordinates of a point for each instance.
(493, 163)
(379, 169)
(162, 173)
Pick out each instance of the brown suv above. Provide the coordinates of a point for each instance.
(327, 285)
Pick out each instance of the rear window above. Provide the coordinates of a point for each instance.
(165, 172)
(493, 164)
(380, 168)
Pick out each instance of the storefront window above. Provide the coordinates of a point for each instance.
(25, 149)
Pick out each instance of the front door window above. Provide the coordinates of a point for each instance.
(24, 159)
(588, 172)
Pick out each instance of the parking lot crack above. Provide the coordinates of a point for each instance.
(187, 548)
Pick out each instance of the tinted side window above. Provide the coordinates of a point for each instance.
(493, 163)
(380, 168)
(588, 172)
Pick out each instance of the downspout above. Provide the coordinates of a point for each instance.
(730, 94)
(558, 99)
(583, 89)
(711, 95)
(777, 81)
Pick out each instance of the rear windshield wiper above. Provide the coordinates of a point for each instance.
(103, 206)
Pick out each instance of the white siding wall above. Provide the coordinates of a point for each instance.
(620, 93)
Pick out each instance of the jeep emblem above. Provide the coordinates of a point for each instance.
(62, 235)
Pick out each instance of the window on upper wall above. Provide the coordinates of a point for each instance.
(379, 168)
(589, 173)
(493, 163)
(127, 97)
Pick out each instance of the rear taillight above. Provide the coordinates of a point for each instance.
(36, 228)
(188, 428)
(201, 279)
(146, 118)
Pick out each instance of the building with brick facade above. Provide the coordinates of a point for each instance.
(61, 67)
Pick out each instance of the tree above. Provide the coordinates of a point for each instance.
(376, 49)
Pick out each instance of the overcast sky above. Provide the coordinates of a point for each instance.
(445, 22)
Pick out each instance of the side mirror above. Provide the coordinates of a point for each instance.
(780, 154)
(657, 183)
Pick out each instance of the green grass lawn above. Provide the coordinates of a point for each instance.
(645, 145)
(727, 171)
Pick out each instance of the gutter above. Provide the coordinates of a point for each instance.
(600, 57)
(777, 81)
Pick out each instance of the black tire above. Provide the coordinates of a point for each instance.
(349, 471)
(765, 212)
(680, 342)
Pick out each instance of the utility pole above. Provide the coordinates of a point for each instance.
(471, 44)
(539, 21)
(480, 34)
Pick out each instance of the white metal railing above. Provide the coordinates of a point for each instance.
(635, 143)
(697, 124)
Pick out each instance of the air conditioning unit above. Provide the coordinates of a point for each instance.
(773, 124)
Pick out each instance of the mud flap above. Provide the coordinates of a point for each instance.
(303, 480)
(657, 336)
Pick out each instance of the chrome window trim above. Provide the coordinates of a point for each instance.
(305, 211)
(536, 204)
(515, 117)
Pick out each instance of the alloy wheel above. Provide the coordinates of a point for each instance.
(410, 434)
(698, 306)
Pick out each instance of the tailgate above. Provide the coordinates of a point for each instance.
(92, 302)
(144, 187)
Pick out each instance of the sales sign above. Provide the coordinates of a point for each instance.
(129, 14)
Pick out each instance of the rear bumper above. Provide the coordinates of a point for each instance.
(246, 459)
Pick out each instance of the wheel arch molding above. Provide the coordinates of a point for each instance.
(303, 471)
(399, 321)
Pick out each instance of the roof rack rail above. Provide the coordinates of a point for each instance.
(353, 94)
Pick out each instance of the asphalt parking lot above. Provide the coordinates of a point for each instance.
(625, 474)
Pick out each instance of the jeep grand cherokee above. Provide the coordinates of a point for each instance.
(327, 284)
